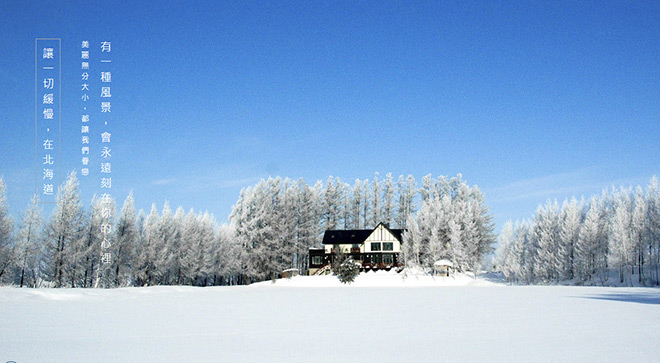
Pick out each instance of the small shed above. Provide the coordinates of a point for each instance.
(289, 273)
(442, 267)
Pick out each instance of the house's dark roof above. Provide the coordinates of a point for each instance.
(353, 236)
(346, 236)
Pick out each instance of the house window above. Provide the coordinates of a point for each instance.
(375, 246)
(316, 260)
(388, 259)
(388, 246)
(376, 258)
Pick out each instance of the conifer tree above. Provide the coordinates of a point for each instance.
(63, 229)
(126, 235)
(29, 244)
(375, 202)
(388, 200)
(7, 252)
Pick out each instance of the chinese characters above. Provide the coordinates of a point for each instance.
(47, 117)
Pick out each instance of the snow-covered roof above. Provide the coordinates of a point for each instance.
(355, 236)
(443, 262)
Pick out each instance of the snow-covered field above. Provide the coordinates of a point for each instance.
(305, 319)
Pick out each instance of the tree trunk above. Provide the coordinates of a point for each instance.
(639, 267)
(58, 263)
(22, 275)
(118, 259)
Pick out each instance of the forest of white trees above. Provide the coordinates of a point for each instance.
(271, 228)
(66, 249)
(277, 221)
(453, 224)
(611, 239)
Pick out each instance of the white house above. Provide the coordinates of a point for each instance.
(376, 248)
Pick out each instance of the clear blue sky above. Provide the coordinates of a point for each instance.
(528, 100)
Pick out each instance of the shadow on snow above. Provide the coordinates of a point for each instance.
(652, 298)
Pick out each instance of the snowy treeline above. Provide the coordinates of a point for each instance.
(277, 221)
(68, 250)
(271, 228)
(452, 224)
(614, 238)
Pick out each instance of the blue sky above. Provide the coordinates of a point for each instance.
(528, 100)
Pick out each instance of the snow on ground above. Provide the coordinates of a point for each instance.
(370, 320)
(389, 279)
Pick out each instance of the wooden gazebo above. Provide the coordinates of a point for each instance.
(442, 267)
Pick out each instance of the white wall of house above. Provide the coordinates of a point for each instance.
(346, 248)
(380, 235)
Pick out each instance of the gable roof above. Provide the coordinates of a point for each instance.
(354, 236)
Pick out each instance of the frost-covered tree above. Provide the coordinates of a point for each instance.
(257, 226)
(620, 234)
(366, 205)
(387, 214)
(451, 187)
(438, 220)
(411, 244)
(105, 273)
(406, 191)
(203, 249)
(347, 205)
(546, 234)
(147, 272)
(479, 226)
(653, 228)
(347, 270)
(164, 244)
(590, 247)
(526, 244)
(189, 245)
(87, 262)
(240, 215)
(140, 242)
(426, 190)
(375, 201)
(265, 248)
(177, 247)
(331, 202)
(126, 239)
(506, 255)
(285, 223)
(227, 265)
(356, 204)
(7, 255)
(570, 220)
(63, 229)
(453, 239)
(28, 245)
(306, 228)
(401, 216)
(639, 233)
